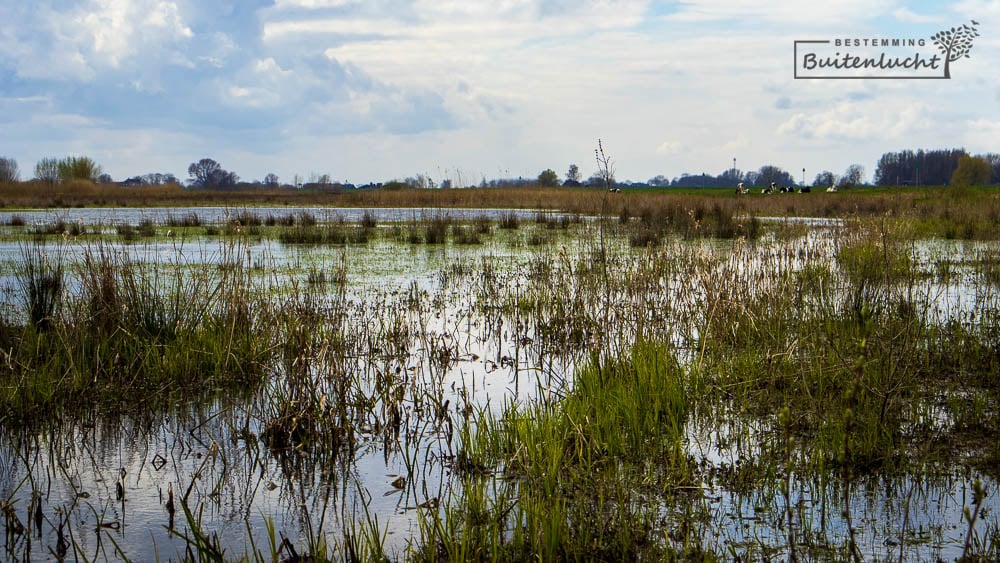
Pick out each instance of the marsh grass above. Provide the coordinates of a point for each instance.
(245, 218)
(826, 377)
(573, 468)
(988, 267)
(465, 235)
(538, 237)
(941, 211)
(127, 232)
(368, 220)
(855, 366)
(57, 227)
(336, 234)
(190, 219)
(546, 220)
(303, 218)
(651, 221)
(134, 333)
(832, 358)
(40, 277)
(436, 231)
(483, 225)
(643, 237)
(509, 221)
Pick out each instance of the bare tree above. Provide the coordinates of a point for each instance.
(8, 170)
(659, 181)
(160, 178)
(152, 179)
(271, 180)
(201, 172)
(47, 170)
(994, 160)
(573, 173)
(209, 174)
(771, 174)
(421, 181)
(955, 43)
(854, 175)
(596, 180)
(825, 178)
(223, 179)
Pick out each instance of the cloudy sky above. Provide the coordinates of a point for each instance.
(466, 89)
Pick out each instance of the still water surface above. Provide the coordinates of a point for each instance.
(103, 482)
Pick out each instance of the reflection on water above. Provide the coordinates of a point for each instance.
(219, 215)
(215, 457)
(104, 483)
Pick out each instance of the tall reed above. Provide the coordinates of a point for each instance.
(40, 278)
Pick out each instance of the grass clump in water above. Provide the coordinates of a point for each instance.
(436, 231)
(41, 280)
(131, 333)
(579, 469)
(509, 221)
(465, 235)
(324, 234)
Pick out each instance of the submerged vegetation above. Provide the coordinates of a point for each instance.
(670, 381)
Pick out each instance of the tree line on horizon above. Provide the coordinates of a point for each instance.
(903, 168)
(936, 167)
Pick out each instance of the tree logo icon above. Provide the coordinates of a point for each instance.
(955, 43)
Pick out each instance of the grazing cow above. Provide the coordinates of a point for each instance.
(787, 190)
(742, 189)
(831, 190)
(805, 190)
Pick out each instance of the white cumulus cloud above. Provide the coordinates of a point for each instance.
(89, 38)
(670, 147)
(851, 121)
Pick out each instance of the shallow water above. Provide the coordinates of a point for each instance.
(237, 485)
(213, 452)
(220, 215)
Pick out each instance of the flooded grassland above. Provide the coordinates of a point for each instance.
(495, 386)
